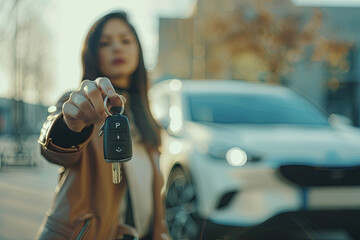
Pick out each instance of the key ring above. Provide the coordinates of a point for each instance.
(123, 100)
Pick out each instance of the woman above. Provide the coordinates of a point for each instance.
(87, 204)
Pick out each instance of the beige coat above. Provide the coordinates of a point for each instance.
(86, 204)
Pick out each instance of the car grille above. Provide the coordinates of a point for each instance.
(321, 176)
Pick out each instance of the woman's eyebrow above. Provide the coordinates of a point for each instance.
(124, 34)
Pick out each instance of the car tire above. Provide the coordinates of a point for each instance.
(181, 207)
(354, 233)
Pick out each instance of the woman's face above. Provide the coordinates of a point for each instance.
(118, 50)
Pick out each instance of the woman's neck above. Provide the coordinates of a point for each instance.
(121, 82)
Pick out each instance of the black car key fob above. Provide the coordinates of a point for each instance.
(117, 143)
(117, 139)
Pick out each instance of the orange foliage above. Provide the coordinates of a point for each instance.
(279, 41)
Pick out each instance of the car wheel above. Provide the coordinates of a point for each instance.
(354, 233)
(181, 207)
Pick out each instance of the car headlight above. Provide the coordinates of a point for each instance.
(236, 157)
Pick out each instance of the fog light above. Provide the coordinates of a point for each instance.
(175, 147)
(175, 85)
(236, 157)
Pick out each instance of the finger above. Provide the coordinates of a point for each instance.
(116, 101)
(71, 111)
(83, 103)
(92, 92)
(106, 86)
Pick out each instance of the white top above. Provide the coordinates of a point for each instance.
(140, 181)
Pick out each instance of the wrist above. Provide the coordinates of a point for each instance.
(64, 136)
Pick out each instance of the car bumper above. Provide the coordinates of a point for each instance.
(255, 193)
(287, 225)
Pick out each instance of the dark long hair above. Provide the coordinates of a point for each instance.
(138, 88)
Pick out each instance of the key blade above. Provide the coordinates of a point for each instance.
(116, 172)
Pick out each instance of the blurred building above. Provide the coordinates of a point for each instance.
(186, 51)
(176, 48)
(34, 116)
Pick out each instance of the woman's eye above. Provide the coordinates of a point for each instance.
(126, 41)
(104, 44)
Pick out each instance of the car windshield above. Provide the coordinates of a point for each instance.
(254, 109)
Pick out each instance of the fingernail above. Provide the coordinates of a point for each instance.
(111, 93)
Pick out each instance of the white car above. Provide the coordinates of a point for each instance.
(237, 156)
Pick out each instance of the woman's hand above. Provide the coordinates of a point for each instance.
(86, 105)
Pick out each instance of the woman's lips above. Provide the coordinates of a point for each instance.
(118, 61)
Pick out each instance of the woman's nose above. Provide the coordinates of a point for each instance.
(117, 46)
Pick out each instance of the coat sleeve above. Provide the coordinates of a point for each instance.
(60, 155)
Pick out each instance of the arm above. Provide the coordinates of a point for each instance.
(59, 144)
(67, 132)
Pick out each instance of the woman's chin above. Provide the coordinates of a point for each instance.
(120, 80)
(119, 74)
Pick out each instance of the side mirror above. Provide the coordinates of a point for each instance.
(339, 119)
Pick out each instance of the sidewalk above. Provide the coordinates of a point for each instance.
(25, 195)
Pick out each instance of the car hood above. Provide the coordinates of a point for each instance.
(295, 144)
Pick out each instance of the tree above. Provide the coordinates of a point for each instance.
(264, 43)
(24, 47)
(24, 55)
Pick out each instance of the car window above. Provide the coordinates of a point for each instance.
(254, 109)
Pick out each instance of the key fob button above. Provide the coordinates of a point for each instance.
(118, 149)
(116, 124)
(115, 136)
